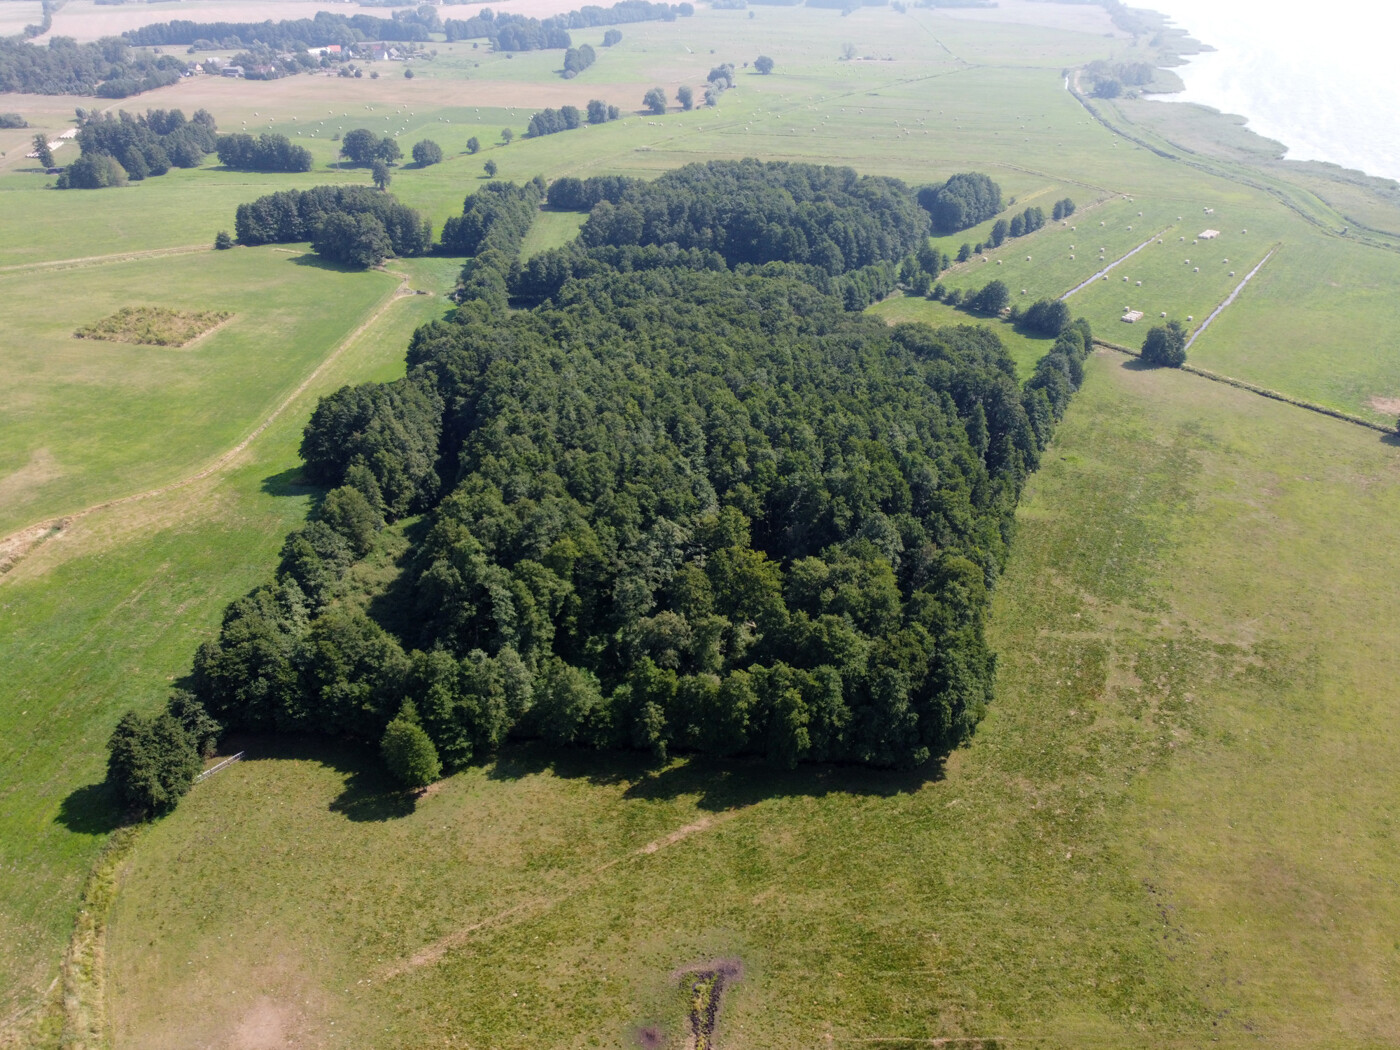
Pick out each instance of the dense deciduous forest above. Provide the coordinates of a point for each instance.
(687, 502)
(290, 34)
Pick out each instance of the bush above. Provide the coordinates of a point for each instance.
(763, 64)
(222, 241)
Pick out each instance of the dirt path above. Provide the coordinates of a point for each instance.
(101, 260)
(16, 545)
(434, 952)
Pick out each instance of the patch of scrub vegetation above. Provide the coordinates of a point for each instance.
(154, 326)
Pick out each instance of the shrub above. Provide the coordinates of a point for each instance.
(1165, 346)
(409, 752)
(151, 762)
(427, 152)
(222, 241)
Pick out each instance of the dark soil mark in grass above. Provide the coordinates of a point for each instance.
(705, 988)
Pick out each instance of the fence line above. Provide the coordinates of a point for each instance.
(214, 769)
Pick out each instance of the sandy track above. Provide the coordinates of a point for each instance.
(16, 545)
(102, 260)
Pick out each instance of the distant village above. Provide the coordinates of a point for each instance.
(332, 59)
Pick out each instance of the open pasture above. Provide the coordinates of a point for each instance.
(1066, 882)
(89, 420)
(106, 615)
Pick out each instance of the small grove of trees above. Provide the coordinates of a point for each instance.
(1063, 209)
(552, 121)
(298, 215)
(763, 64)
(1028, 221)
(267, 152)
(611, 37)
(427, 152)
(654, 101)
(138, 147)
(1047, 317)
(1165, 346)
(362, 147)
(577, 59)
(153, 759)
(961, 202)
(685, 97)
(991, 300)
(12, 120)
(599, 112)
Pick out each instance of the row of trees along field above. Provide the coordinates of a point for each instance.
(130, 147)
(690, 501)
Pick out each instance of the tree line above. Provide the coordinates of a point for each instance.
(687, 503)
(296, 34)
(511, 32)
(106, 68)
(567, 118)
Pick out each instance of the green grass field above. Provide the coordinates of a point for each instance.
(1172, 828)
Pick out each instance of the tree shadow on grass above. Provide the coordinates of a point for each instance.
(1136, 364)
(290, 482)
(1392, 439)
(314, 260)
(368, 794)
(717, 784)
(92, 810)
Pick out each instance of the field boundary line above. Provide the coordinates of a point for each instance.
(15, 546)
(1104, 272)
(433, 953)
(1232, 296)
(100, 260)
(1262, 391)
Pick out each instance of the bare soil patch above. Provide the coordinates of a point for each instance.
(1389, 405)
(154, 326)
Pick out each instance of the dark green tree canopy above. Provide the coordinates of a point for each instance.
(961, 202)
(1165, 346)
(427, 152)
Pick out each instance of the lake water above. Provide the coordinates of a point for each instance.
(1320, 78)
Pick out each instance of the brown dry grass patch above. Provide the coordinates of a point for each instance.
(154, 326)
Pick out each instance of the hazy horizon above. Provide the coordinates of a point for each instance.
(1321, 84)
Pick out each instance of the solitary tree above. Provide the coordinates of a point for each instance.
(408, 74)
(41, 147)
(686, 98)
(151, 762)
(380, 173)
(490, 168)
(611, 37)
(1165, 346)
(654, 101)
(427, 152)
(223, 241)
(507, 135)
(473, 145)
(763, 64)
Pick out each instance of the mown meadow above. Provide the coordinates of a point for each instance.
(1170, 829)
